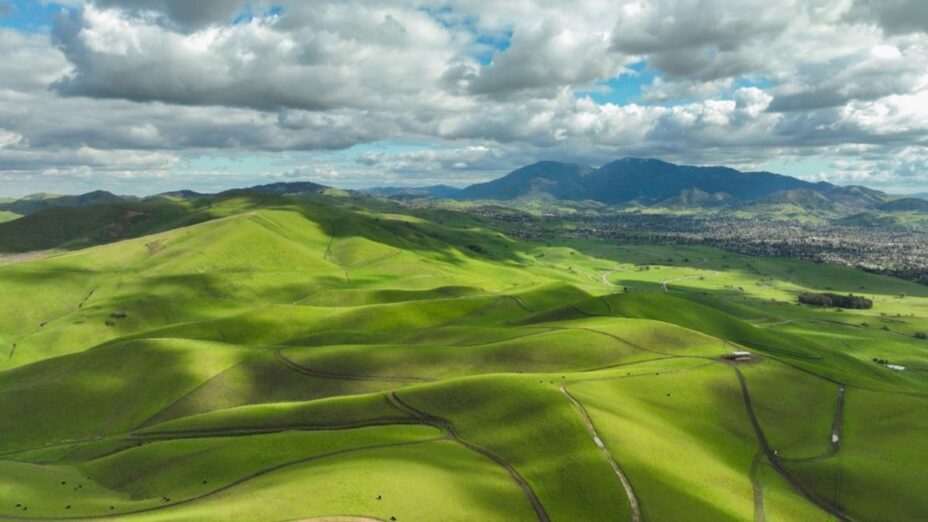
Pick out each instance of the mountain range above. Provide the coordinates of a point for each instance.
(654, 182)
(629, 181)
(430, 191)
(45, 220)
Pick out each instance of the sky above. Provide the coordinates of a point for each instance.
(143, 96)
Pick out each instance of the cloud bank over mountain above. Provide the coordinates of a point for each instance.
(170, 93)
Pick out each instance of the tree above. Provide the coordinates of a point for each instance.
(829, 300)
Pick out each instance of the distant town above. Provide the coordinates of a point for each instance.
(896, 252)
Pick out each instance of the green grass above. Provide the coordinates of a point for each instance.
(876, 459)
(146, 472)
(797, 418)
(323, 413)
(434, 481)
(681, 434)
(568, 350)
(104, 391)
(253, 342)
(528, 423)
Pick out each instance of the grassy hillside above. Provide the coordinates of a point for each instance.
(77, 227)
(263, 357)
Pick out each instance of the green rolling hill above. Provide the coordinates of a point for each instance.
(328, 357)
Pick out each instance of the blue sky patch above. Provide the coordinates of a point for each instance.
(622, 89)
(28, 16)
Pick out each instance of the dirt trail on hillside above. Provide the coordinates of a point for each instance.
(448, 428)
(837, 430)
(687, 278)
(12, 259)
(229, 485)
(775, 460)
(634, 506)
(759, 514)
(343, 376)
(604, 279)
(340, 518)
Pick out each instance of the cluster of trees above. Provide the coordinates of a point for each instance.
(835, 300)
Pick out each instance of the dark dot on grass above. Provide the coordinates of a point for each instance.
(204, 482)
(112, 507)
(67, 507)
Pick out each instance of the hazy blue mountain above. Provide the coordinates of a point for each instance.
(545, 178)
(650, 181)
(655, 182)
(282, 188)
(905, 205)
(857, 197)
(181, 194)
(430, 191)
(39, 202)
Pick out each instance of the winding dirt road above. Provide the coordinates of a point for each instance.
(775, 461)
(448, 428)
(837, 431)
(687, 278)
(604, 279)
(759, 514)
(227, 486)
(634, 506)
(343, 376)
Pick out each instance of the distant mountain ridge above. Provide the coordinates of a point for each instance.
(38, 202)
(905, 205)
(642, 181)
(281, 188)
(629, 182)
(558, 180)
(430, 191)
